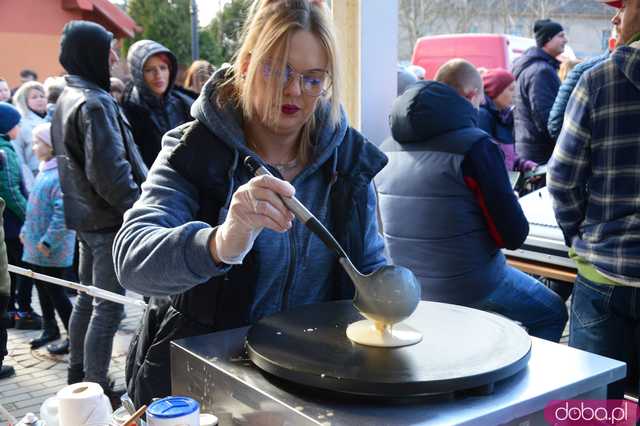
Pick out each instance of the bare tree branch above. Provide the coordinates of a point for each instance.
(421, 17)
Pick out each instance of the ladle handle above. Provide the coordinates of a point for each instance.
(299, 210)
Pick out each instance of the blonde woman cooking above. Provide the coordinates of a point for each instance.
(218, 240)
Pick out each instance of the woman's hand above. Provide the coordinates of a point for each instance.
(254, 206)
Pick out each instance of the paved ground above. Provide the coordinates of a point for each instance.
(40, 375)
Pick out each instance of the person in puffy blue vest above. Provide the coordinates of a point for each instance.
(447, 207)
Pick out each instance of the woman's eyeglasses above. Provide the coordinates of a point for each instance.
(313, 83)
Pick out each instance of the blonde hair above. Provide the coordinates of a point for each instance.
(460, 74)
(21, 95)
(197, 74)
(266, 35)
(566, 67)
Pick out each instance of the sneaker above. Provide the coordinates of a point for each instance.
(6, 371)
(28, 321)
(60, 348)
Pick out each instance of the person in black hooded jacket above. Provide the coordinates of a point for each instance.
(101, 172)
(151, 102)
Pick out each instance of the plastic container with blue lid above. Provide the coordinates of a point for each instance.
(174, 410)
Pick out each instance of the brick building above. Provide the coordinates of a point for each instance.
(31, 29)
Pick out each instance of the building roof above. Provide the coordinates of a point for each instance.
(124, 25)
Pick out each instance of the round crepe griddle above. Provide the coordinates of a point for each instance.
(462, 348)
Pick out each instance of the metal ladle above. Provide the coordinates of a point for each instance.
(388, 295)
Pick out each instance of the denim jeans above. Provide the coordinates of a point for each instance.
(605, 320)
(522, 298)
(94, 322)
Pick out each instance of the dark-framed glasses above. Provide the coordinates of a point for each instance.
(312, 82)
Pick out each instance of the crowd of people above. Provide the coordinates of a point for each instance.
(212, 247)
(575, 116)
(62, 210)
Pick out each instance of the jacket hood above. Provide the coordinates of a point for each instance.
(226, 123)
(531, 55)
(139, 53)
(627, 60)
(429, 109)
(84, 51)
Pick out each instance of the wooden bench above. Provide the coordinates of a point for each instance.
(560, 273)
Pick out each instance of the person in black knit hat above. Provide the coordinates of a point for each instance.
(545, 30)
(537, 84)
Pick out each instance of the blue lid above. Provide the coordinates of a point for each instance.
(173, 406)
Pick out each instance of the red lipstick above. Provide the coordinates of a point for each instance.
(290, 109)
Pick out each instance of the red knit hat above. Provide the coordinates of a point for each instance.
(495, 81)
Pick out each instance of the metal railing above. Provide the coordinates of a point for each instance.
(90, 290)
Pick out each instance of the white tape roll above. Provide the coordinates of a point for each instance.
(208, 420)
(83, 404)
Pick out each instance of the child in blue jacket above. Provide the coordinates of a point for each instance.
(48, 244)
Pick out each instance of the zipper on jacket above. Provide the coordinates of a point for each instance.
(292, 245)
(290, 271)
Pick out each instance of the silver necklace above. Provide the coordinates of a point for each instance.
(285, 167)
(281, 167)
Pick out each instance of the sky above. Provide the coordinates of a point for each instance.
(207, 9)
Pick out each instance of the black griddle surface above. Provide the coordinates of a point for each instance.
(462, 348)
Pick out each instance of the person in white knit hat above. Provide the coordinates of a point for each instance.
(48, 244)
